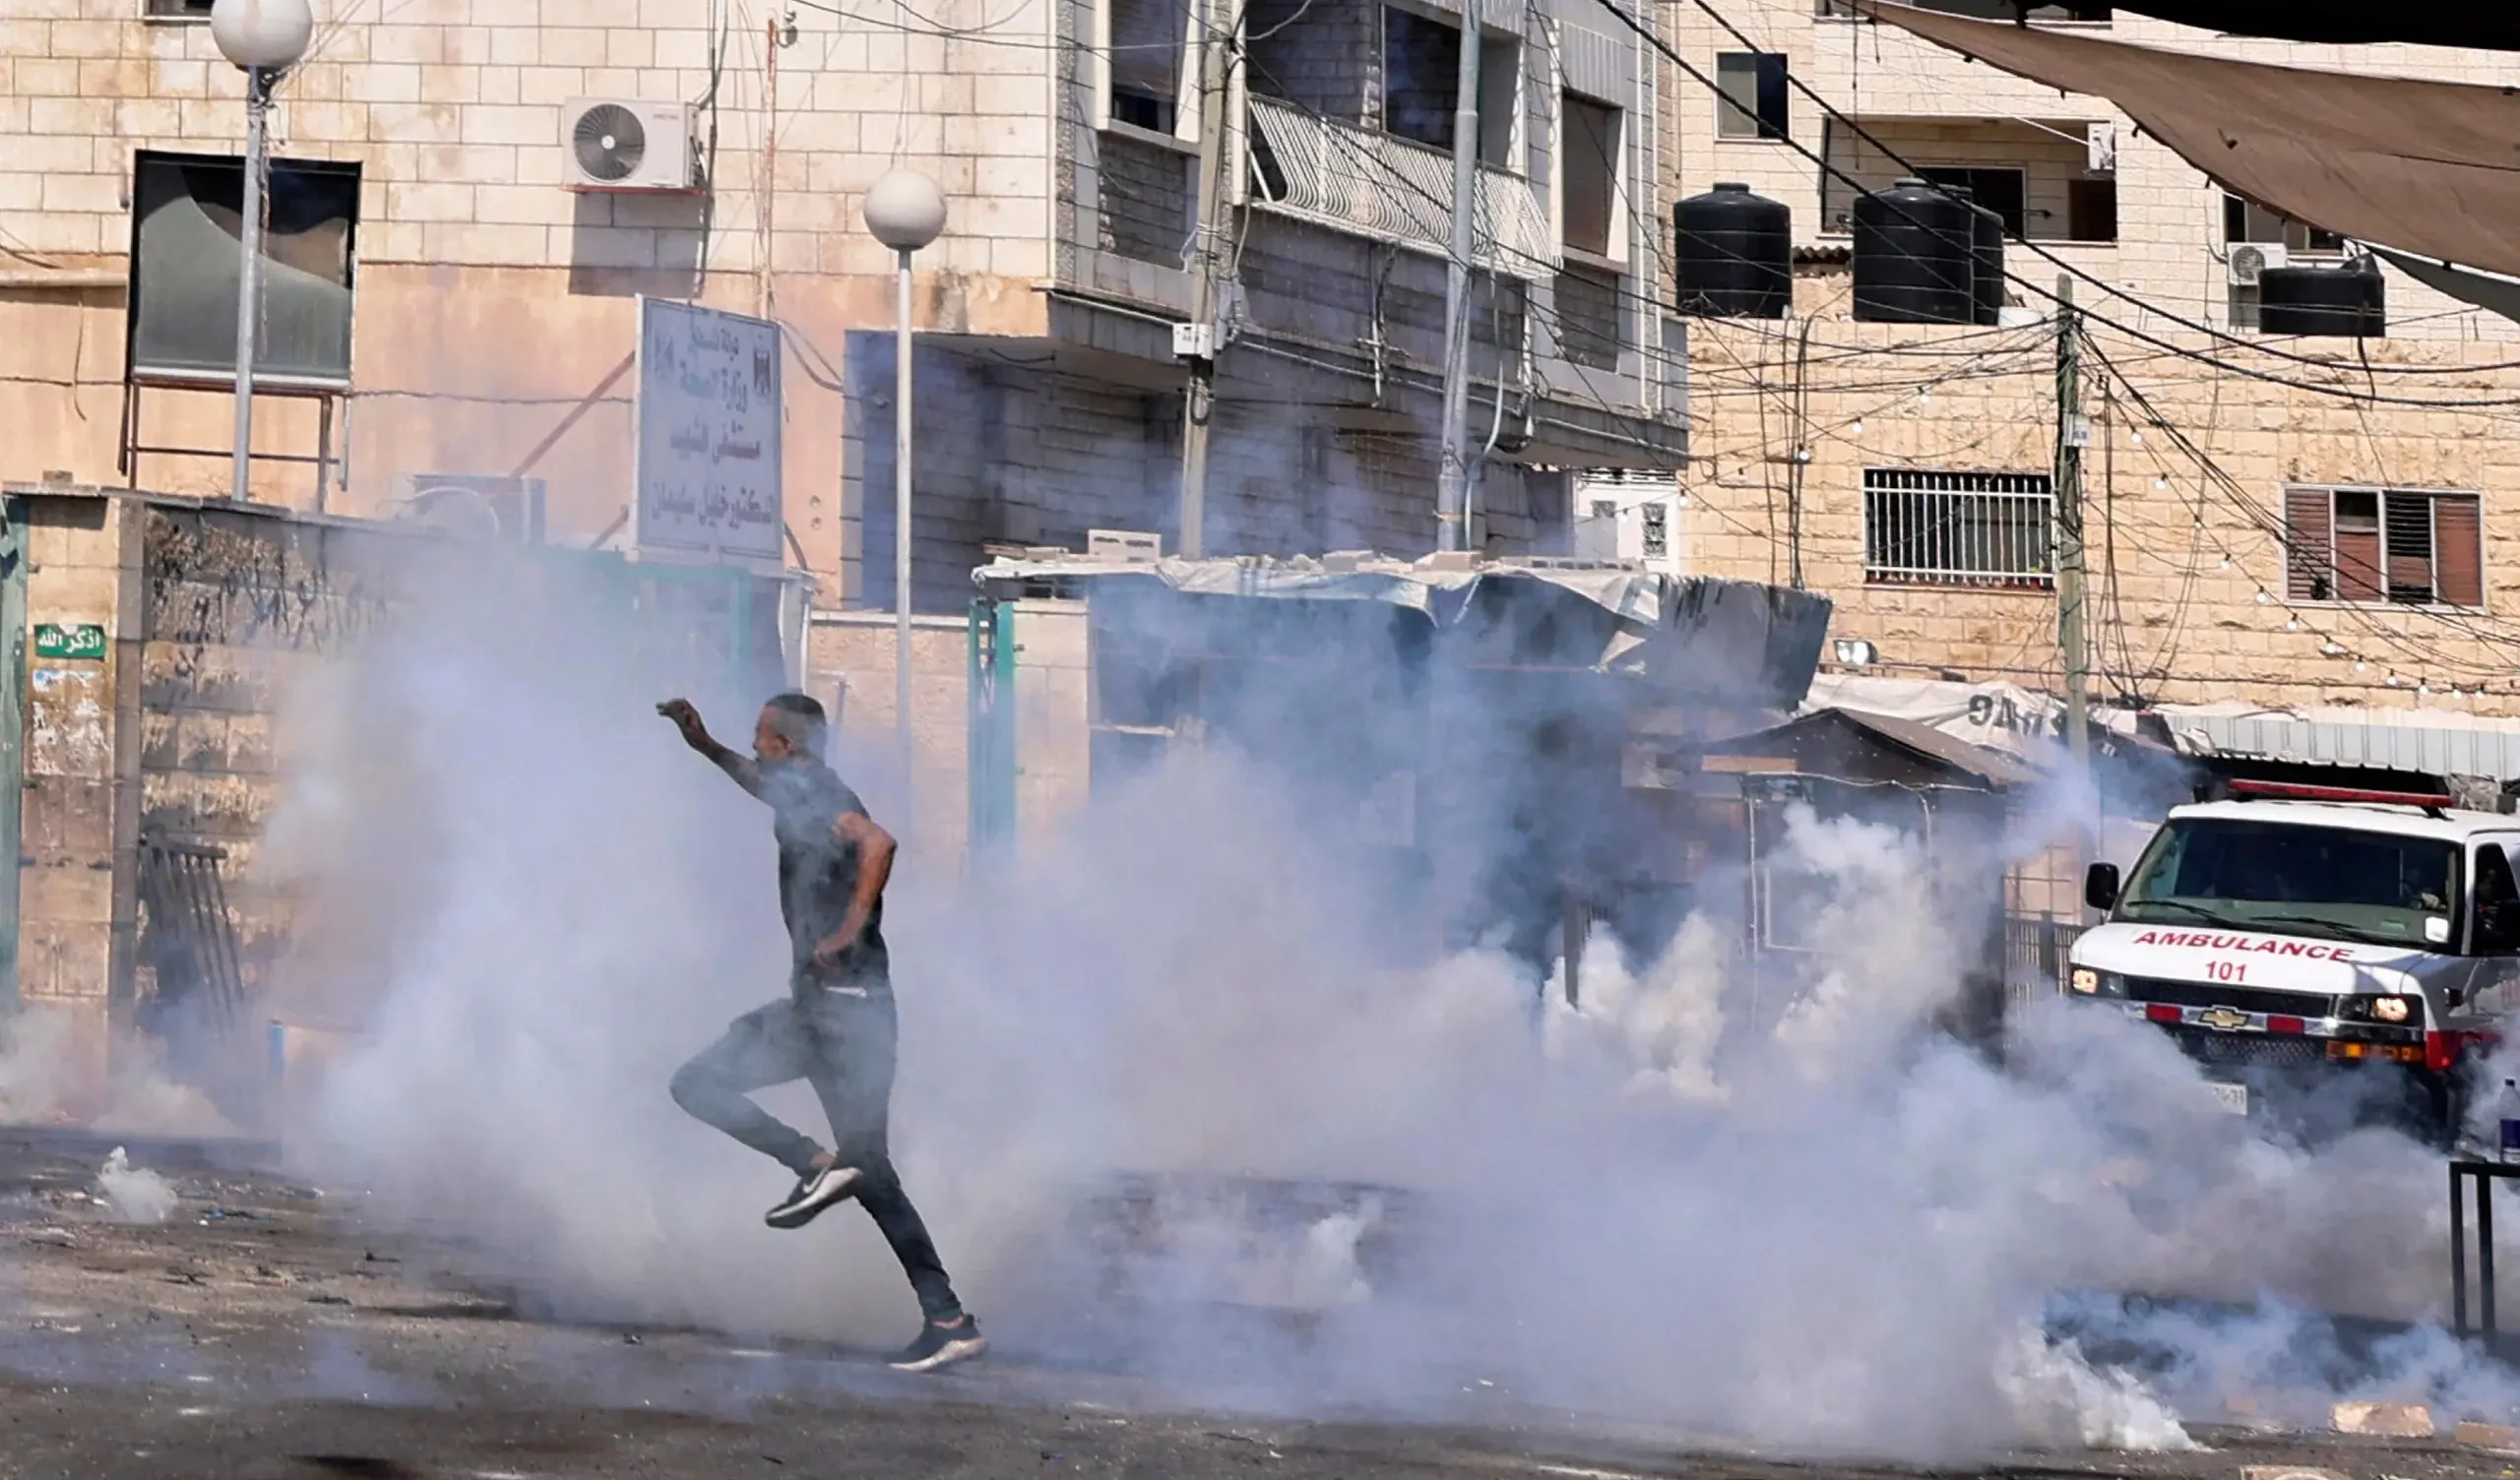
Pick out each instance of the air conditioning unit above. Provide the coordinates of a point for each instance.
(2249, 261)
(623, 143)
(481, 505)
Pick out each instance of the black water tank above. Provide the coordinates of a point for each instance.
(1915, 255)
(1990, 279)
(2349, 302)
(1735, 254)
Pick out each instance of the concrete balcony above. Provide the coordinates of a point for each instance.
(1371, 183)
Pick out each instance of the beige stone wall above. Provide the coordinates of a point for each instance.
(2180, 557)
(490, 300)
(2170, 216)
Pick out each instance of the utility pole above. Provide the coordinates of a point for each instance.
(1454, 474)
(2073, 433)
(1198, 406)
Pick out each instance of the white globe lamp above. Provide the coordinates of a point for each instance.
(905, 211)
(262, 35)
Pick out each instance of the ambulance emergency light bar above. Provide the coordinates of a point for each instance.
(2291, 791)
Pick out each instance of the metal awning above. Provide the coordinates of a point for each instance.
(2425, 743)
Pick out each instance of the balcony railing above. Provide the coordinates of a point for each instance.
(1367, 182)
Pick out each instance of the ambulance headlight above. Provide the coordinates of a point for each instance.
(2087, 983)
(2391, 1009)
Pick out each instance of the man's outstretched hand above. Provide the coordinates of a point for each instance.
(686, 720)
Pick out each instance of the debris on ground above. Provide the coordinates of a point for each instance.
(2384, 1420)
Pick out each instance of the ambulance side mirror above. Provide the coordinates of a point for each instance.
(2100, 887)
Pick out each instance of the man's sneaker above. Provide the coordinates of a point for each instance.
(941, 1346)
(815, 1191)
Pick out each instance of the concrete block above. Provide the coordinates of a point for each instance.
(549, 86)
(383, 82)
(563, 48)
(487, 124)
(33, 74)
(2384, 1420)
(430, 202)
(81, 39)
(450, 83)
(180, 77)
(2488, 1436)
(516, 46)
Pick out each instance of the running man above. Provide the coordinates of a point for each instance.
(836, 1028)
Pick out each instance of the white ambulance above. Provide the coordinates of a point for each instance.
(2329, 958)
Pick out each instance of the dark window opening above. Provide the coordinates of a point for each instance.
(1590, 162)
(1422, 85)
(1148, 37)
(1754, 101)
(2091, 209)
(177, 9)
(2246, 221)
(2000, 191)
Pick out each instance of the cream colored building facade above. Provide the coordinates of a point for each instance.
(493, 303)
(2312, 521)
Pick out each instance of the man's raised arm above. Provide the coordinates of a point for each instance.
(739, 768)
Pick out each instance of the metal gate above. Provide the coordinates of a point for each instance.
(188, 937)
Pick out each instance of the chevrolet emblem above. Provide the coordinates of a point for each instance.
(2223, 1020)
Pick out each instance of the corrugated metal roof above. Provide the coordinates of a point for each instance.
(2467, 748)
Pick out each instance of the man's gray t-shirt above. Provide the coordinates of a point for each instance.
(818, 876)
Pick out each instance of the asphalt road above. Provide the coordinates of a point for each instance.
(256, 1335)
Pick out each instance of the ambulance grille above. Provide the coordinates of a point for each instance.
(2208, 1047)
(2198, 994)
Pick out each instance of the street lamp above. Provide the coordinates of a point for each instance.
(264, 39)
(905, 211)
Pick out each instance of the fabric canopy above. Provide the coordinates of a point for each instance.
(2499, 295)
(2486, 23)
(2430, 167)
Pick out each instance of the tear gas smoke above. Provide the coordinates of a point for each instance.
(134, 1194)
(38, 1085)
(1758, 1208)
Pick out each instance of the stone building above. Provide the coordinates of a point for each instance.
(492, 302)
(2270, 522)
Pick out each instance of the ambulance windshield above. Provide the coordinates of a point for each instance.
(2290, 879)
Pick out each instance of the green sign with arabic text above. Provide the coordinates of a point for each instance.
(73, 640)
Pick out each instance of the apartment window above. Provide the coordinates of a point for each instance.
(2091, 209)
(1752, 105)
(176, 9)
(2246, 221)
(2000, 191)
(1590, 161)
(1957, 529)
(1147, 42)
(1422, 85)
(2386, 545)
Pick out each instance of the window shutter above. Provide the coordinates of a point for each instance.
(2310, 560)
(2358, 547)
(2458, 537)
(2410, 547)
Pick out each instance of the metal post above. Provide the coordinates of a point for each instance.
(249, 281)
(1454, 474)
(900, 513)
(1198, 409)
(2072, 432)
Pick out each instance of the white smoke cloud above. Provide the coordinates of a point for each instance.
(1772, 1210)
(132, 1194)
